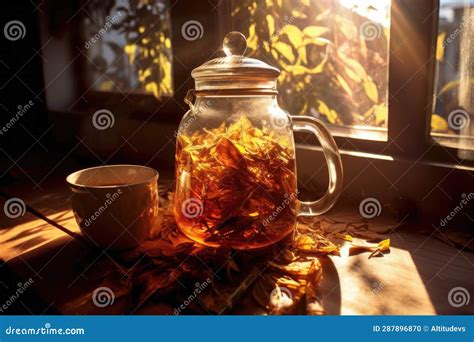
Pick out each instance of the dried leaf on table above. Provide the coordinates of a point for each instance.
(379, 249)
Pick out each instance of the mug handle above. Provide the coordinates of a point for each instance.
(333, 159)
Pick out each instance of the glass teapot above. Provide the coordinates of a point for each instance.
(235, 157)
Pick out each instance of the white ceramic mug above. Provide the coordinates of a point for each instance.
(116, 205)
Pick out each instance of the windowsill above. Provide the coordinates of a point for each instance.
(359, 132)
(423, 161)
(465, 142)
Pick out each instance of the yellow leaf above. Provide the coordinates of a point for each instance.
(440, 46)
(343, 83)
(369, 112)
(439, 124)
(319, 41)
(106, 85)
(348, 29)
(453, 85)
(298, 14)
(304, 242)
(381, 114)
(271, 25)
(166, 84)
(332, 117)
(285, 50)
(330, 114)
(323, 108)
(275, 55)
(295, 35)
(384, 245)
(352, 75)
(301, 70)
(345, 237)
(130, 50)
(322, 15)
(143, 74)
(302, 54)
(314, 31)
(371, 90)
(152, 87)
(354, 65)
(252, 41)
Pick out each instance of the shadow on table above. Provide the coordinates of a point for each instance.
(446, 273)
(330, 287)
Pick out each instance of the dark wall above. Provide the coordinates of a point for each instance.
(21, 79)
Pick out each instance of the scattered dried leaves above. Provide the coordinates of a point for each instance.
(281, 279)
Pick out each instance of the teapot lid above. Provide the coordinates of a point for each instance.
(235, 71)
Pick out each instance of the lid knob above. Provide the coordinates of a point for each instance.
(235, 44)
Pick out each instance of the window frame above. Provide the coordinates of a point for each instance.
(144, 106)
(414, 26)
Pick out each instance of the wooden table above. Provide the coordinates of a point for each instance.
(414, 278)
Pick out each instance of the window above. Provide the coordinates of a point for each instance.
(128, 47)
(453, 114)
(368, 68)
(333, 56)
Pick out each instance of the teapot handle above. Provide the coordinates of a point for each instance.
(333, 159)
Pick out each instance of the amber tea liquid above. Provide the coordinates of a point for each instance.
(235, 187)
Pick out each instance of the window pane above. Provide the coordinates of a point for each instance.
(333, 55)
(452, 122)
(128, 46)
